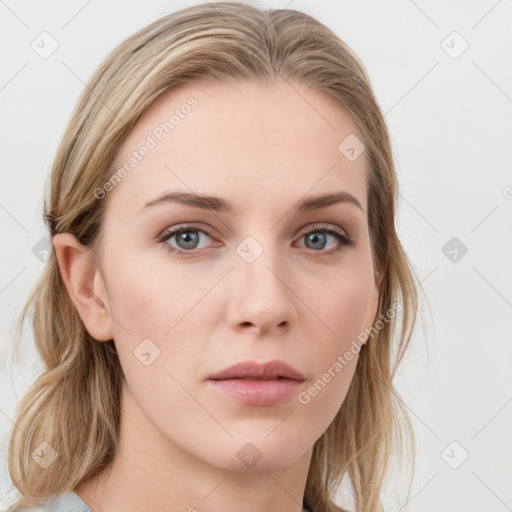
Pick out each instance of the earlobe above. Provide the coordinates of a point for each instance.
(84, 285)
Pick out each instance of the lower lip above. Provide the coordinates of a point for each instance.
(258, 392)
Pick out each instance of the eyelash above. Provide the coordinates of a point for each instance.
(344, 240)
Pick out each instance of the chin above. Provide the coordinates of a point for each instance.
(255, 453)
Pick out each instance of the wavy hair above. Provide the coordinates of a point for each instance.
(74, 405)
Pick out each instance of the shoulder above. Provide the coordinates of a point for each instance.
(68, 502)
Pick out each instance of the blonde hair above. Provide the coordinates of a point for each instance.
(74, 405)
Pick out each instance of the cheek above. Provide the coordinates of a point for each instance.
(152, 299)
(136, 294)
(335, 350)
(143, 300)
(342, 304)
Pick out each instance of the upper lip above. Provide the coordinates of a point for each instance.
(252, 369)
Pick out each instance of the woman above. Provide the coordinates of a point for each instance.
(218, 315)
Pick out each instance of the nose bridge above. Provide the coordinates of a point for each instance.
(259, 259)
(261, 293)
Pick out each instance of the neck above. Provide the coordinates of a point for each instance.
(174, 479)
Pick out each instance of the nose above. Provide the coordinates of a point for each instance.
(263, 298)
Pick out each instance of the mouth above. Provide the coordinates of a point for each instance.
(271, 370)
(256, 391)
(255, 378)
(252, 383)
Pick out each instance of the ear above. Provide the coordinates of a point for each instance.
(84, 284)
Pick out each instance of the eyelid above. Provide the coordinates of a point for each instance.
(199, 227)
(323, 226)
(183, 227)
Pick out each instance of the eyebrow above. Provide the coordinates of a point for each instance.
(218, 204)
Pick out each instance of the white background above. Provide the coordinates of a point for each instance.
(450, 121)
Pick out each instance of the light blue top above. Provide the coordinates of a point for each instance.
(68, 502)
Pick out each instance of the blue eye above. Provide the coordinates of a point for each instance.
(343, 239)
(187, 239)
(185, 235)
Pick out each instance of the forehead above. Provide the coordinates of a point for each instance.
(246, 140)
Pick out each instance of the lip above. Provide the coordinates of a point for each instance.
(252, 369)
(253, 383)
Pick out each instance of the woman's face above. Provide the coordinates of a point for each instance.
(261, 282)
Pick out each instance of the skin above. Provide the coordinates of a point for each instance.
(264, 147)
